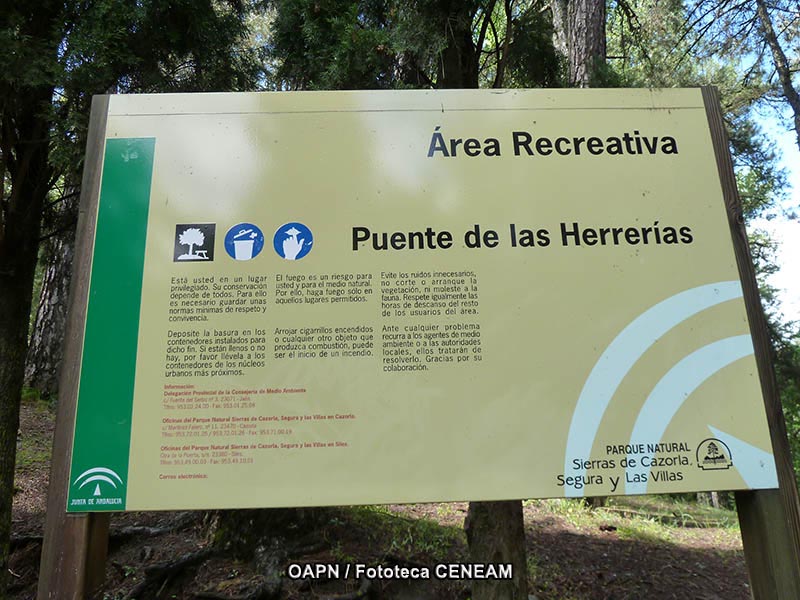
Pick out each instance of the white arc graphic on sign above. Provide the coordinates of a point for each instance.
(98, 478)
(756, 467)
(620, 356)
(98, 474)
(672, 391)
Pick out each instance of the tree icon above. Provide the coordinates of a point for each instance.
(714, 454)
(192, 237)
(713, 451)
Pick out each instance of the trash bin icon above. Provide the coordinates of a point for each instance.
(244, 241)
(243, 249)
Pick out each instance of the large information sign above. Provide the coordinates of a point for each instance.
(305, 299)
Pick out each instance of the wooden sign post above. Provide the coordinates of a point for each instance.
(769, 519)
(75, 546)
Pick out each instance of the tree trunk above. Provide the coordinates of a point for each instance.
(496, 535)
(560, 26)
(458, 65)
(708, 499)
(782, 66)
(587, 40)
(16, 283)
(47, 341)
(594, 502)
(13, 334)
(19, 235)
(24, 164)
(580, 36)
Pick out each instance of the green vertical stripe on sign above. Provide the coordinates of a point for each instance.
(108, 366)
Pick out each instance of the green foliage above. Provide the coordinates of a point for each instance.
(544, 577)
(387, 44)
(532, 59)
(34, 448)
(676, 510)
(113, 46)
(575, 512)
(787, 370)
(648, 518)
(760, 180)
(128, 571)
(652, 521)
(406, 537)
(335, 45)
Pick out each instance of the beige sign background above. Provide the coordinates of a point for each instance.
(494, 295)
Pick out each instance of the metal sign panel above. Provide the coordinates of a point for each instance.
(306, 299)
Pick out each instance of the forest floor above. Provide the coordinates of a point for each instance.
(650, 547)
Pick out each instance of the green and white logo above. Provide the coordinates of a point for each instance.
(98, 488)
(98, 475)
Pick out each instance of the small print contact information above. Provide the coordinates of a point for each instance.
(449, 571)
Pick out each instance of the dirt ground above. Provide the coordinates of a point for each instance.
(573, 553)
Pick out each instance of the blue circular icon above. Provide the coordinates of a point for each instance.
(293, 241)
(244, 241)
